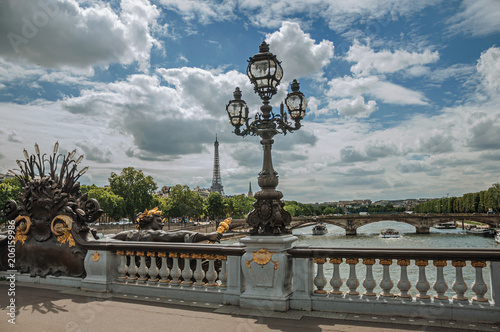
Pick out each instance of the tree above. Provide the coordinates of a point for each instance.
(214, 205)
(184, 202)
(9, 189)
(136, 189)
(111, 204)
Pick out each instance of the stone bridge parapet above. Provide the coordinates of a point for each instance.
(421, 222)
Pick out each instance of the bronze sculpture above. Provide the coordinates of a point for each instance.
(149, 228)
(50, 217)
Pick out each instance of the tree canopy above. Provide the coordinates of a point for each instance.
(136, 189)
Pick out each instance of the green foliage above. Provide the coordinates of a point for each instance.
(238, 206)
(9, 189)
(111, 204)
(136, 189)
(479, 202)
(184, 202)
(214, 205)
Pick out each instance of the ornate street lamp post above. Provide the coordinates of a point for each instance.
(265, 73)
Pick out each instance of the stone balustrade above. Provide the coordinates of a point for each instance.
(270, 273)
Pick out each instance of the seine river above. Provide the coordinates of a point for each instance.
(368, 236)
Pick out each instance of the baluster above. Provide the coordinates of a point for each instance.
(440, 286)
(223, 270)
(459, 286)
(336, 280)
(404, 284)
(369, 283)
(132, 269)
(164, 270)
(198, 274)
(211, 273)
(153, 270)
(386, 283)
(187, 273)
(320, 280)
(143, 269)
(122, 268)
(479, 287)
(422, 284)
(175, 272)
(352, 282)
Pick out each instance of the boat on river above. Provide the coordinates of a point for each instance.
(389, 233)
(320, 229)
(483, 231)
(446, 225)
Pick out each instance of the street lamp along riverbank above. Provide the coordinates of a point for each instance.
(265, 72)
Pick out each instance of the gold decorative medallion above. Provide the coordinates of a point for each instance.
(96, 257)
(262, 257)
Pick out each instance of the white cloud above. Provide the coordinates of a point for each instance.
(371, 85)
(65, 34)
(299, 53)
(354, 107)
(369, 62)
(489, 68)
(477, 18)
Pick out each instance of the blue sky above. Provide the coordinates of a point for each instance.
(403, 95)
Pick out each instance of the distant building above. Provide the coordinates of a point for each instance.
(204, 192)
(250, 193)
(164, 192)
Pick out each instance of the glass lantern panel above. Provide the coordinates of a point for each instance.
(259, 69)
(235, 109)
(279, 73)
(293, 102)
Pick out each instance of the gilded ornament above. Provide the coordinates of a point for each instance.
(439, 262)
(120, 252)
(140, 253)
(96, 257)
(22, 229)
(173, 254)
(478, 263)
(458, 263)
(221, 257)
(403, 262)
(352, 260)
(208, 256)
(368, 261)
(385, 261)
(61, 227)
(262, 257)
(196, 256)
(184, 255)
(162, 254)
(421, 262)
(336, 260)
(319, 260)
(130, 253)
(151, 254)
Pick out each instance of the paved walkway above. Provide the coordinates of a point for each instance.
(53, 309)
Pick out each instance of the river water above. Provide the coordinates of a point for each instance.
(368, 236)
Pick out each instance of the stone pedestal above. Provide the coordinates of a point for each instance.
(268, 272)
(101, 268)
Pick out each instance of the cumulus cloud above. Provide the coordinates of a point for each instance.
(299, 53)
(371, 85)
(66, 34)
(354, 107)
(477, 18)
(488, 67)
(95, 152)
(370, 62)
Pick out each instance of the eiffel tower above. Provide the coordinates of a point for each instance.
(216, 179)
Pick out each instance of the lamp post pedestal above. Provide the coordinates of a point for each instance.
(268, 272)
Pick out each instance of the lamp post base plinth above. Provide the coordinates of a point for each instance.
(268, 216)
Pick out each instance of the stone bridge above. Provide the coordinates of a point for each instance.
(422, 222)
